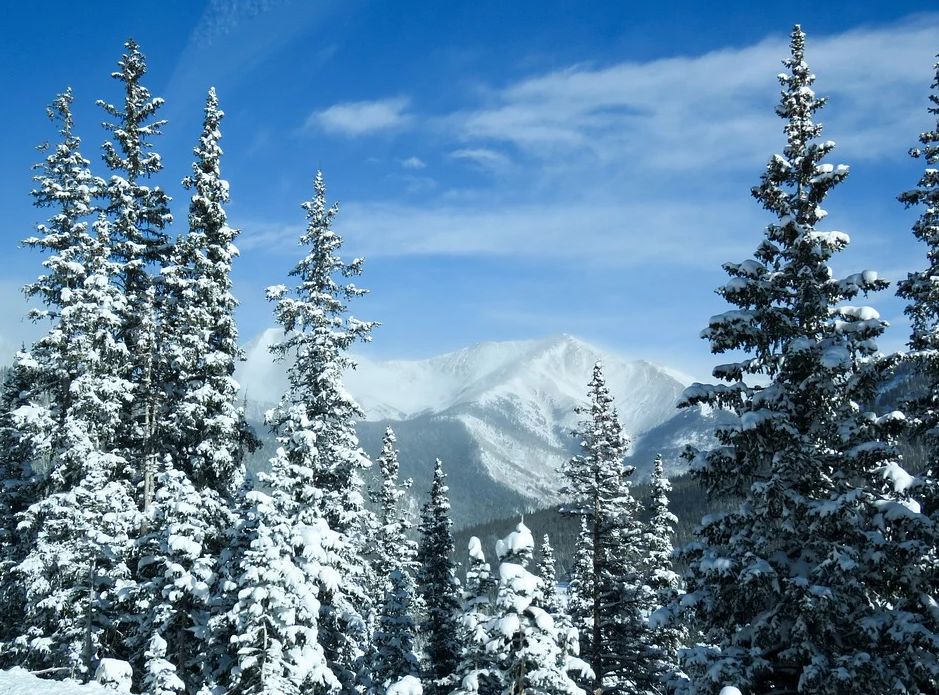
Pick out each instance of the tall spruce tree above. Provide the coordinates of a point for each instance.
(660, 575)
(597, 487)
(393, 563)
(796, 587)
(37, 392)
(579, 601)
(523, 635)
(439, 590)
(203, 422)
(202, 428)
(917, 625)
(138, 213)
(73, 535)
(80, 533)
(478, 671)
(314, 422)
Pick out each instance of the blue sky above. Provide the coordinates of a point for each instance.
(509, 170)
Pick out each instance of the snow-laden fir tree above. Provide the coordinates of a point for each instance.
(319, 453)
(391, 547)
(921, 289)
(37, 392)
(202, 428)
(660, 574)
(478, 671)
(76, 572)
(160, 678)
(394, 637)
(178, 565)
(568, 635)
(579, 602)
(522, 634)
(798, 589)
(438, 589)
(203, 425)
(548, 574)
(618, 647)
(138, 213)
(17, 488)
(273, 625)
(393, 562)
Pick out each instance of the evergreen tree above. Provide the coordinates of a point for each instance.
(203, 424)
(393, 561)
(478, 671)
(18, 485)
(796, 587)
(915, 624)
(568, 636)
(392, 549)
(394, 639)
(618, 646)
(161, 676)
(179, 564)
(660, 575)
(547, 573)
(314, 421)
(579, 602)
(203, 428)
(438, 587)
(273, 625)
(138, 213)
(76, 569)
(523, 635)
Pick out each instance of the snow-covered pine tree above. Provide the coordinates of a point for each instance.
(177, 568)
(522, 634)
(138, 213)
(161, 678)
(202, 426)
(579, 601)
(917, 622)
(920, 287)
(438, 589)
(478, 672)
(568, 635)
(618, 647)
(273, 625)
(548, 574)
(314, 422)
(393, 562)
(668, 633)
(796, 587)
(17, 490)
(391, 547)
(394, 636)
(80, 533)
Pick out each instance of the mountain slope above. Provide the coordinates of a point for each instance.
(507, 409)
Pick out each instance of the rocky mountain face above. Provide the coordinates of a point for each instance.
(498, 414)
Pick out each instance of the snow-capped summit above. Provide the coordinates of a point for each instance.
(516, 399)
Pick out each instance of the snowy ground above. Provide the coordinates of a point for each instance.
(20, 682)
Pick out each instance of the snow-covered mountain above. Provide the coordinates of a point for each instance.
(510, 405)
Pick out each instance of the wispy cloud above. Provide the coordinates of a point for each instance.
(482, 157)
(413, 163)
(356, 118)
(712, 110)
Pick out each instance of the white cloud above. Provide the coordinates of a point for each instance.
(413, 163)
(688, 113)
(356, 118)
(482, 157)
